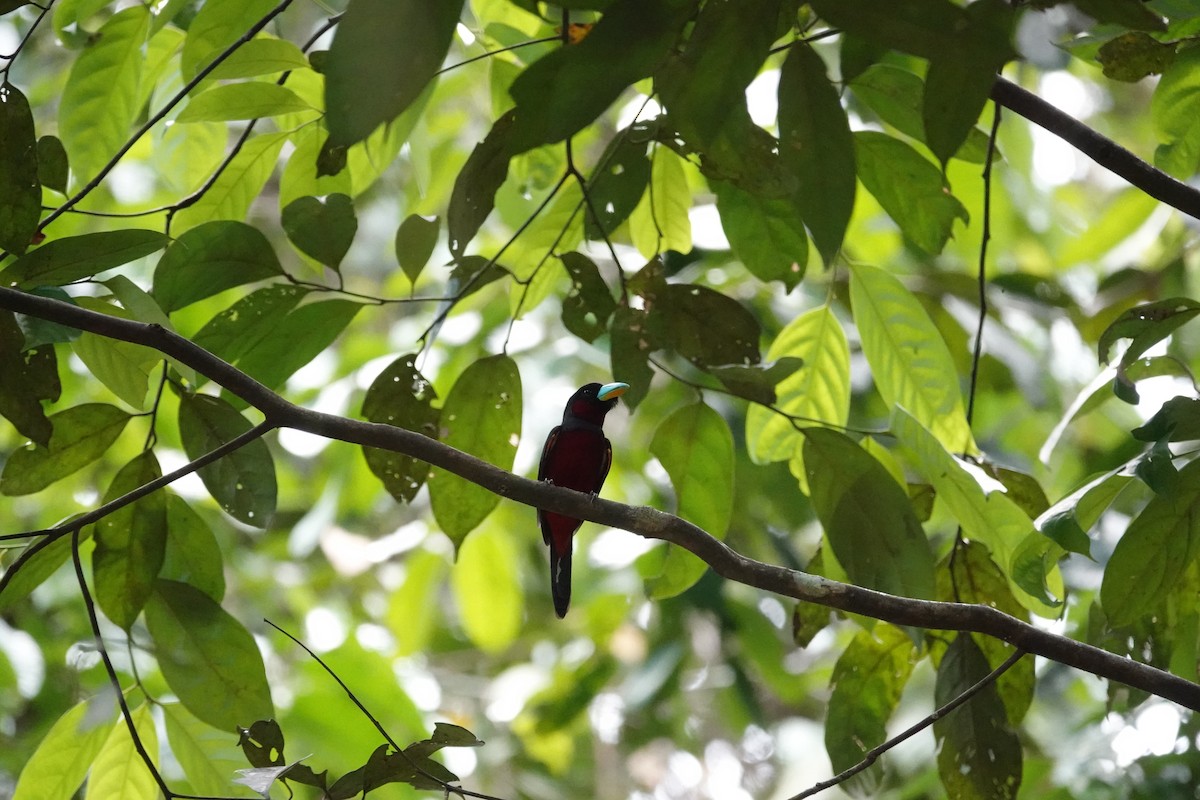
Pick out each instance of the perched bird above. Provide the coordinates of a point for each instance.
(577, 455)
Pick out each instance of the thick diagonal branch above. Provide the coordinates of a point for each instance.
(644, 521)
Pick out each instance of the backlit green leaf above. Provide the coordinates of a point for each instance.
(19, 174)
(486, 584)
(262, 56)
(130, 543)
(412, 614)
(1146, 325)
(246, 100)
(192, 554)
(323, 230)
(383, 54)
(815, 145)
(243, 482)
(243, 326)
(909, 359)
(62, 760)
(867, 517)
(119, 770)
(238, 184)
(819, 391)
(209, 658)
(81, 435)
(212, 258)
(867, 681)
(217, 25)
(401, 396)
(481, 416)
(209, 757)
(660, 221)
(65, 260)
(767, 235)
(297, 339)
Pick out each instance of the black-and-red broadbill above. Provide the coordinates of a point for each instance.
(577, 455)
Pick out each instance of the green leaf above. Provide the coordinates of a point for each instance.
(123, 367)
(481, 416)
(238, 185)
(413, 611)
(81, 434)
(909, 359)
(629, 349)
(487, 587)
(24, 574)
(866, 684)
(767, 235)
(475, 187)
(911, 189)
(816, 146)
(1127, 13)
(415, 240)
(27, 378)
(1067, 521)
(401, 396)
(704, 326)
(52, 164)
(243, 482)
(756, 382)
(323, 230)
(915, 26)
(1178, 420)
(819, 391)
(660, 220)
(102, 98)
(301, 336)
(212, 258)
(961, 75)
(70, 259)
(695, 447)
(588, 306)
(245, 325)
(562, 92)
(192, 554)
(63, 758)
(1156, 548)
(265, 55)
(1176, 99)
(867, 517)
(246, 100)
(1146, 325)
(208, 756)
(622, 175)
(208, 658)
(1134, 55)
(119, 770)
(979, 754)
(216, 26)
(130, 543)
(19, 173)
(383, 55)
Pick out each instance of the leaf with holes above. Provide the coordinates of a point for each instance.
(401, 396)
(705, 326)
(622, 177)
(475, 187)
(589, 305)
(19, 173)
(243, 482)
(28, 377)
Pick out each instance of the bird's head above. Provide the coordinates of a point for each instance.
(592, 401)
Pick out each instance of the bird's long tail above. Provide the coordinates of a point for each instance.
(560, 575)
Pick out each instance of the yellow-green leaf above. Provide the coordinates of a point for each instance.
(119, 770)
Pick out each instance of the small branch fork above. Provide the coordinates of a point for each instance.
(644, 521)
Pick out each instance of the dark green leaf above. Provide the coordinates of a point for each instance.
(911, 189)
(481, 416)
(866, 685)
(19, 175)
(979, 755)
(589, 305)
(1134, 55)
(767, 235)
(297, 339)
(323, 230)
(243, 482)
(1155, 550)
(27, 378)
(1067, 521)
(208, 658)
(620, 181)
(401, 396)
(816, 146)
(1127, 13)
(39, 331)
(756, 382)
(415, 239)
(1146, 325)
(961, 75)
(65, 260)
(130, 543)
(81, 434)
(31, 569)
(744, 155)
(867, 517)
(704, 326)
(1177, 421)
(915, 26)
(448, 735)
(562, 92)
(245, 100)
(7, 6)
(331, 159)
(244, 326)
(630, 348)
(192, 554)
(383, 55)
(475, 187)
(857, 55)
(211, 258)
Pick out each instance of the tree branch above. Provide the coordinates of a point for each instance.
(1099, 148)
(644, 521)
